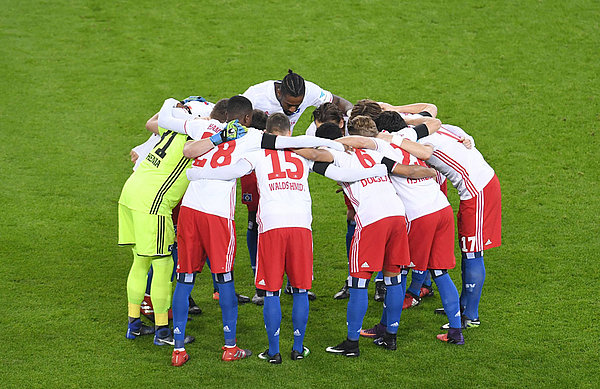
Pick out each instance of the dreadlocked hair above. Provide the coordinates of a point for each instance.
(292, 84)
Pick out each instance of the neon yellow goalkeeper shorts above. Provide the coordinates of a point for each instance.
(152, 235)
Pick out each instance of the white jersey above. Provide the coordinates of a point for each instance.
(282, 180)
(197, 110)
(372, 198)
(420, 196)
(263, 97)
(217, 197)
(465, 168)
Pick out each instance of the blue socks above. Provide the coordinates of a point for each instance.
(357, 308)
(416, 282)
(272, 317)
(180, 311)
(351, 226)
(251, 242)
(473, 278)
(299, 319)
(449, 296)
(229, 311)
(215, 286)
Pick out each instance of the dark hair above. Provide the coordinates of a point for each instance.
(292, 84)
(328, 112)
(278, 123)
(237, 107)
(219, 111)
(390, 121)
(329, 131)
(362, 125)
(366, 107)
(259, 119)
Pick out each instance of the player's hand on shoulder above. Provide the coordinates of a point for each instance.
(134, 156)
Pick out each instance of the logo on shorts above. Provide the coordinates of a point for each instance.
(262, 282)
(411, 264)
(488, 242)
(247, 196)
(364, 265)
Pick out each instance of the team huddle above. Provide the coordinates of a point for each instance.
(392, 163)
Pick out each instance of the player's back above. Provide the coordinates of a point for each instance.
(372, 198)
(282, 178)
(159, 182)
(420, 196)
(465, 168)
(217, 197)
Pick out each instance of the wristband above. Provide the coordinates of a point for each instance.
(425, 113)
(421, 130)
(216, 139)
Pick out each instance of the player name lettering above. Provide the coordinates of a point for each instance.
(286, 185)
(371, 180)
(416, 180)
(153, 160)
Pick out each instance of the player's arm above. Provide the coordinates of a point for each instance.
(432, 124)
(358, 142)
(317, 155)
(270, 141)
(341, 174)
(425, 109)
(342, 103)
(226, 173)
(420, 151)
(152, 124)
(197, 148)
(409, 171)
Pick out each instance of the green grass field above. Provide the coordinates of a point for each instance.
(80, 78)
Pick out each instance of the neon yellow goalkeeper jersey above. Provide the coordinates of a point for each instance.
(159, 182)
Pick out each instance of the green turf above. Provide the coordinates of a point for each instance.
(80, 78)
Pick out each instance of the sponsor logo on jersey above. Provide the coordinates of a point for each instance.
(262, 282)
(226, 329)
(364, 265)
(297, 333)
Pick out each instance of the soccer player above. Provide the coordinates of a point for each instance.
(380, 241)
(145, 223)
(480, 211)
(291, 96)
(430, 225)
(206, 219)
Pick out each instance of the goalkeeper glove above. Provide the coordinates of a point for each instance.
(234, 130)
(193, 98)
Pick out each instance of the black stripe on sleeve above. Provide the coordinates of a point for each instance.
(389, 164)
(320, 167)
(421, 130)
(268, 141)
